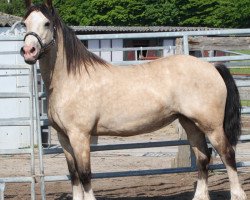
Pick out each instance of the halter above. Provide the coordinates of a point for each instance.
(44, 47)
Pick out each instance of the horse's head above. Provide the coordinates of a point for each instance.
(40, 34)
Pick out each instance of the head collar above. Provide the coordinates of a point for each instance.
(44, 47)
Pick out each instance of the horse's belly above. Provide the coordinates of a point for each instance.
(123, 126)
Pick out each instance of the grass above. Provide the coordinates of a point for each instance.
(245, 102)
(240, 70)
(243, 51)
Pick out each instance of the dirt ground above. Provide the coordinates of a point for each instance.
(158, 187)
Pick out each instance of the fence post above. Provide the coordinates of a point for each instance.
(2, 188)
(179, 46)
(185, 45)
(183, 158)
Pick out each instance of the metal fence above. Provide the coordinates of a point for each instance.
(21, 121)
(34, 105)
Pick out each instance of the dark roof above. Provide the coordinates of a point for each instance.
(134, 29)
(8, 20)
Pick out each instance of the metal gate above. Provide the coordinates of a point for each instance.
(25, 120)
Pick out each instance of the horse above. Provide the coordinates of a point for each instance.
(88, 96)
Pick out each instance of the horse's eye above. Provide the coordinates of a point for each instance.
(47, 24)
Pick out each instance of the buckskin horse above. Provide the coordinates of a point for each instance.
(88, 96)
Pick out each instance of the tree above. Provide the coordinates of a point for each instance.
(162, 13)
(209, 13)
(214, 13)
(132, 12)
(198, 13)
(14, 8)
(117, 13)
(234, 13)
(109, 13)
(69, 11)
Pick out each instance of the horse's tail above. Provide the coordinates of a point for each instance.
(232, 118)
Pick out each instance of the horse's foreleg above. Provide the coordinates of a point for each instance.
(81, 147)
(75, 181)
(227, 154)
(198, 142)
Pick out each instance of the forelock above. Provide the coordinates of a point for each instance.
(48, 13)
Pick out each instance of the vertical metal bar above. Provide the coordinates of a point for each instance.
(2, 188)
(31, 108)
(185, 45)
(39, 136)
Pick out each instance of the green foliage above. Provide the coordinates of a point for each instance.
(162, 13)
(129, 13)
(234, 13)
(210, 13)
(111, 12)
(70, 11)
(15, 8)
(214, 13)
(198, 13)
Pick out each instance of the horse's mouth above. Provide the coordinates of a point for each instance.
(30, 62)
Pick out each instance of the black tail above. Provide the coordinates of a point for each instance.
(232, 119)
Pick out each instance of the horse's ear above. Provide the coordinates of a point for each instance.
(28, 3)
(48, 3)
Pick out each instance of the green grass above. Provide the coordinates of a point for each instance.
(241, 70)
(243, 51)
(245, 102)
(245, 70)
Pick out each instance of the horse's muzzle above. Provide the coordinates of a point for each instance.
(29, 54)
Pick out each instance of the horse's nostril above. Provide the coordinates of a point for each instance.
(32, 50)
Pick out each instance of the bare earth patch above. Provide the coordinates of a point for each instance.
(158, 187)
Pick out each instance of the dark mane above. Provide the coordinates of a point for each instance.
(76, 53)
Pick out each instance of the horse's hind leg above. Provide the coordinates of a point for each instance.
(225, 150)
(75, 181)
(198, 142)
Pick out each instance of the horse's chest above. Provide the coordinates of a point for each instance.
(71, 113)
(56, 113)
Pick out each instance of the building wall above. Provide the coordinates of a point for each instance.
(169, 43)
(110, 56)
(117, 56)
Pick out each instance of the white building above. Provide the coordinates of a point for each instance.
(166, 45)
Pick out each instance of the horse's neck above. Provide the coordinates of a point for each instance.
(53, 65)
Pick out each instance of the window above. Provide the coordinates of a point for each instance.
(141, 49)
